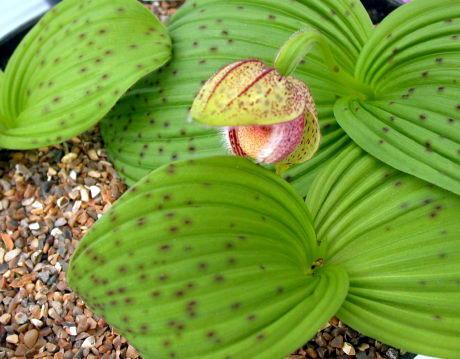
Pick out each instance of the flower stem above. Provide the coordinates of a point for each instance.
(300, 44)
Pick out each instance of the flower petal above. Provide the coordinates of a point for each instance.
(249, 93)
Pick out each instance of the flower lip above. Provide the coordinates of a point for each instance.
(266, 144)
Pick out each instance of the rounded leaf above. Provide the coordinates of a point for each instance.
(205, 259)
(74, 65)
(399, 240)
(412, 62)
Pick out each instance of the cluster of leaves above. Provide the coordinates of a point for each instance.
(216, 257)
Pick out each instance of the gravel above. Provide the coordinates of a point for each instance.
(49, 198)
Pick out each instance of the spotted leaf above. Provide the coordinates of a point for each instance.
(148, 126)
(214, 258)
(412, 62)
(399, 239)
(73, 66)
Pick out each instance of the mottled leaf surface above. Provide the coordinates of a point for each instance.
(399, 240)
(74, 65)
(412, 61)
(148, 126)
(209, 258)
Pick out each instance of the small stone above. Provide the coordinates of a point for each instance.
(363, 347)
(62, 202)
(5, 318)
(95, 191)
(72, 330)
(20, 318)
(23, 170)
(131, 353)
(51, 347)
(68, 158)
(312, 353)
(8, 241)
(12, 254)
(392, 353)
(12, 339)
(92, 154)
(51, 172)
(55, 232)
(44, 276)
(76, 206)
(37, 205)
(27, 201)
(94, 174)
(337, 342)
(363, 355)
(30, 338)
(84, 195)
(36, 322)
(60, 222)
(348, 349)
(88, 343)
(34, 226)
(73, 175)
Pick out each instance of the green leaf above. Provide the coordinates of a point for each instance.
(399, 240)
(208, 259)
(3, 120)
(412, 62)
(148, 127)
(74, 65)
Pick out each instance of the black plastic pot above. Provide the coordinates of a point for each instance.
(378, 9)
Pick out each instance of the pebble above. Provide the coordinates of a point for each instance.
(13, 339)
(34, 226)
(5, 318)
(30, 338)
(70, 157)
(76, 206)
(131, 353)
(95, 191)
(84, 195)
(73, 175)
(337, 342)
(392, 353)
(92, 154)
(94, 174)
(27, 201)
(62, 202)
(55, 232)
(60, 222)
(73, 330)
(36, 322)
(12, 254)
(23, 170)
(37, 205)
(88, 342)
(20, 318)
(348, 349)
(8, 241)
